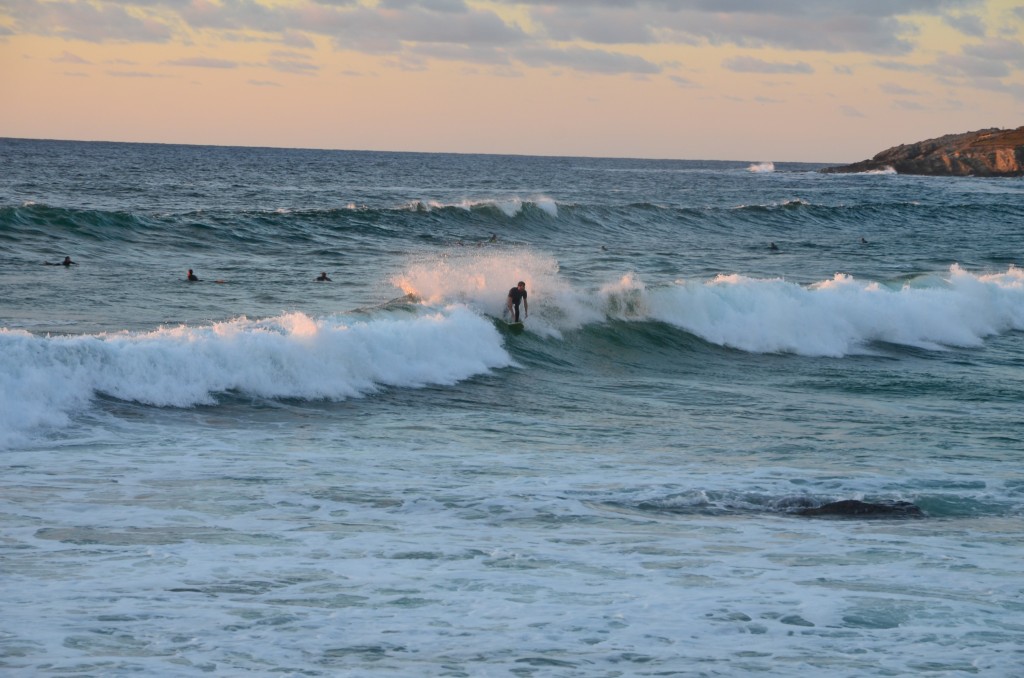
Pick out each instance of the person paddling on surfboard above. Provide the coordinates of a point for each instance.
(515, 295)
(67, 263)
(192, 277)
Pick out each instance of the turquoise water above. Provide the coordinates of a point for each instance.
(271, 475)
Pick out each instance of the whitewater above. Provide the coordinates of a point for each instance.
(263, 474)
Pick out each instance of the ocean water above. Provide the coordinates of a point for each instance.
(259, 474)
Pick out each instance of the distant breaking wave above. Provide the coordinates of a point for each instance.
(835, 317)
(760, 167)
(510, 207)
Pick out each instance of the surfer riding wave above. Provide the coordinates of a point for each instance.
(516, 295)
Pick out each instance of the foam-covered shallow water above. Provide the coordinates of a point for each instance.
(270, 475)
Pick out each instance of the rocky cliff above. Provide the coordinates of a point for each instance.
(985, 153)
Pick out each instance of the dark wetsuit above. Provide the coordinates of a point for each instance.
(516, 295)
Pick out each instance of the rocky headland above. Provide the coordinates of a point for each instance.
(984, 153)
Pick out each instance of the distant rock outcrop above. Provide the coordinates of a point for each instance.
(985, 153)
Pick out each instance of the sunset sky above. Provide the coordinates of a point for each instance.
(760, 80)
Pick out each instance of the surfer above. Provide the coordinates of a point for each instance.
(192, 277)
(323, 277)
(773, 247)
(515, 295)
(67, 263)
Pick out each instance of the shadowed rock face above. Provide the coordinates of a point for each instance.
(852, 508)
(985, 153)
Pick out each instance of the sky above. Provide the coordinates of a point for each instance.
(761, 80)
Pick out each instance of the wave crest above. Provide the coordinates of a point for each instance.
(46, 379)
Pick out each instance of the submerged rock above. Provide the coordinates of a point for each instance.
(853, 508)
(985, 153)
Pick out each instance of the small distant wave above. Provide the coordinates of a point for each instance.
(761, 167)
(510, 207)
(85, 223)
(47, 379)
(785, 204)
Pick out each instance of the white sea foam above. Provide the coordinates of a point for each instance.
(292, 356)
(843, 315)
(760, 167)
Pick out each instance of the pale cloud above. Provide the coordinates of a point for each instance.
(293, 66)
(587, 60)
(390, 26)
(968, 24)
(237, 15)
(448, 6)
(1011, 51)
(908, 105)
(968, 66)
(610, 26)
(897, 90)
(850, 112)
(682, 82)
(474, 54)
(77, 20)
(297, 40)
(747, 64)
(264, 83)
(134, 74)
(69, 58)
(559, 34)
(871, 26)
(282, 54)
(376, 30)
(202, 62)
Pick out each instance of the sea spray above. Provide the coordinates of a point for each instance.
(482, 276)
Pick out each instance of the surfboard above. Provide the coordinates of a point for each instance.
(514, 326)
